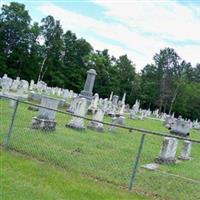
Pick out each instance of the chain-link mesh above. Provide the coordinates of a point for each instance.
(108, 156)
(180, 180)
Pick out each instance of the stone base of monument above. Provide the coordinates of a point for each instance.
(179, 133)
(167, 161)
(76, 123)
(184, 158)
(43, 124)
(96, 126)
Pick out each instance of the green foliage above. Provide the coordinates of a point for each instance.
(61, 59)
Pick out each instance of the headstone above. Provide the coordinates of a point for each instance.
(98, 116)
(89, 84)
(180, 127)
(6, 83)
(123, 99)
(73, 105)
(80, 110)
(168, 151)
(15, 84)
(94, 103)
(46, 117)
(115, 121)
(186, 151)
(168, 121)
(31, 87)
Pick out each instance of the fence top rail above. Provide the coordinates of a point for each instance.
(140, 130)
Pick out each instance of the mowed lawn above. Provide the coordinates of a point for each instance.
(106, 157)
(24, 178)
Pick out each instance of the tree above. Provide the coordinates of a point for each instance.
(53, 49)
(15, 39)
(149, 86)
(126, 78)
(76, 51)
(167, 62)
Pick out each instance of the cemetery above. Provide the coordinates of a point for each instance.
(99, 100)
(97, 149)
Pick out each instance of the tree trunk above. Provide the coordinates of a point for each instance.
(41, 69)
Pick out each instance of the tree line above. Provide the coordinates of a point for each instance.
(45, 52)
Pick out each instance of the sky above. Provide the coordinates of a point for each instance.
(136, 28)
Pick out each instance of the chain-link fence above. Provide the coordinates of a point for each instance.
(124, 157)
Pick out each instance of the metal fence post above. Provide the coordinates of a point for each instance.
(136, 163)
(7, 138)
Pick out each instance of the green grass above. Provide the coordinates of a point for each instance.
(23, 178)
(105, 156)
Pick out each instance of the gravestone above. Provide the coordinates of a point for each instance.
(168, 151)
(6, 83)
(80, 110)
(15, 84)
(180, 127)
(186, 151)
(73, 105)
(32, 85)
(46, 117)
(168, 121)
(116, 121)
(98, 116)
(94, 103)
(89, 84)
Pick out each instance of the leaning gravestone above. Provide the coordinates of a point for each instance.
(89, 84)
(168, 151)
(46, 117)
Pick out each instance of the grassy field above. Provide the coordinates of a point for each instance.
(25, 178)
(106, 157)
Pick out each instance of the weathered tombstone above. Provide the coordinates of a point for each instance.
(31, 87)
(41, 86)
(15, 84)
(186, 151)
(6, 83)
(132, 114)
(115, 121)
(168, 121)
(180, 127)
(89, 84)
(123, 99)
(121, 111)
(94, 103)
(196, 125)
(168, 151)
(80, 110)
(65, 93)
(46, 117)
(73, 105)
(23, 87)
(115, 100)
(98, 116)
(111, 96)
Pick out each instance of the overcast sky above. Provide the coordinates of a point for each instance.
(136, 28)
